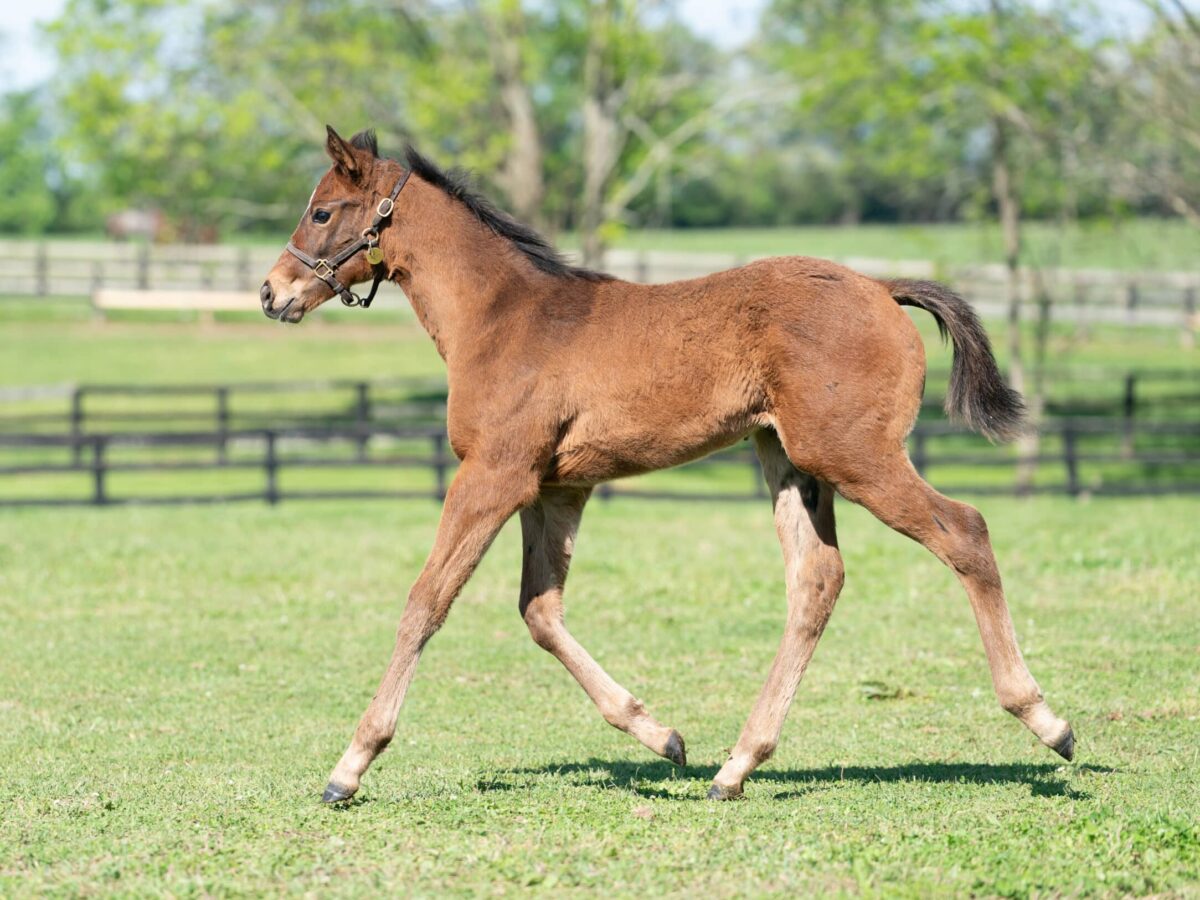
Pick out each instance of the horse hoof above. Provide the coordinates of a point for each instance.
(335, 793)
(1065, 745)
(720, 792)
(674, 750)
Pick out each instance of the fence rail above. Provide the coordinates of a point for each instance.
(75, 268)
(80, 409)
(277, 450)
(1126, 437)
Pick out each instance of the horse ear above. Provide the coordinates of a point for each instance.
(345, 158)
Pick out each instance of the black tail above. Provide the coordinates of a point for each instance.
(977, 395)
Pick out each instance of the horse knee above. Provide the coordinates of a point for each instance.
(543, 624)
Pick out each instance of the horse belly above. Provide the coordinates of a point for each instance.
(600, 448)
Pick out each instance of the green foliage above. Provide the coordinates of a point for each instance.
(910, 92)
(29, 169)
(848, 110)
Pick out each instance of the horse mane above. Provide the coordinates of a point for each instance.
(456, 183)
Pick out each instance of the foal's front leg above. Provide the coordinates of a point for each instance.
(479, 502)
(548, 530)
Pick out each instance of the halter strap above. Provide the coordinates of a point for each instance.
(325, 268)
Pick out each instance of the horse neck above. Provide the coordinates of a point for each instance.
(458, 275)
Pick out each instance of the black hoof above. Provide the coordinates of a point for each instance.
(1065, 747)
(674, 750)
(335, 793)
(717, 792)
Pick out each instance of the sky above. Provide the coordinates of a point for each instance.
(25, 60)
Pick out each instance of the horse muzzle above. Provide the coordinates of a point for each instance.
(290, 310)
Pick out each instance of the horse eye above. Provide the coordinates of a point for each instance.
(321, 216)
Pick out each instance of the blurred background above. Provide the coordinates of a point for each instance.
(1042, 157)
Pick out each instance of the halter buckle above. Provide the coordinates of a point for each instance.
(385, 207)
(328, 273)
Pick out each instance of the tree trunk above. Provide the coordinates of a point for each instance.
(1009, 208)
(600, 129)
(522, 177)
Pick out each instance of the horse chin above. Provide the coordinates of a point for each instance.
(293, 314)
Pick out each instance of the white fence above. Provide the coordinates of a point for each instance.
(79, 268)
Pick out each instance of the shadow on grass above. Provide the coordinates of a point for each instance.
(648, 779)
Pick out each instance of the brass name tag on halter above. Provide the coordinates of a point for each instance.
(374, 255)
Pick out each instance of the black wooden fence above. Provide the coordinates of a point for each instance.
(223, 408)
(272, 451)
(1134, 432)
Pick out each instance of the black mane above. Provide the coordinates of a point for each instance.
(457, 184)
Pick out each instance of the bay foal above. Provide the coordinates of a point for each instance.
(561, 378)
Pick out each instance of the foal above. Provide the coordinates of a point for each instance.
(562, 378)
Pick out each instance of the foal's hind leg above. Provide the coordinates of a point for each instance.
(804, 520)
(548, 530)
(957, 535)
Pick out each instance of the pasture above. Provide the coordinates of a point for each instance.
(174, 684)
(1150, 244)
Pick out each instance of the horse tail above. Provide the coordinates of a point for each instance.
(977, 395)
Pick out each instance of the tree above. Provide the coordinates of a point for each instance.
(1158, 81)
(29, 201)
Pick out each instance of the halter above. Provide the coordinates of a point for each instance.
(369, 241)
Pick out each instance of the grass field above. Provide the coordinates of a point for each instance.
(1146, 244)
(44, 341)
(176, 683)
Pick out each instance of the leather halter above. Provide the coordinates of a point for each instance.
(369, 241)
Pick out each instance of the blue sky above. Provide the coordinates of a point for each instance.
(24, 60)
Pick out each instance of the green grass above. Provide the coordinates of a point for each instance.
(176, 683)
(1146, 244)
(53, 341)
(46, 341)
(58, 342)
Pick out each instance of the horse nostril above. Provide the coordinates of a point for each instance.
(266, 294)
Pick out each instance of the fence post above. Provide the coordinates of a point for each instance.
(271, 463)
(641, 267)
(1082, 323)
(41, 270)
(1069, 457)
(76, 425)
(243, 269)
(1129, 410)
(143, 266)
(222, 423)
(439, 465)
(362, 415)
(1190, 322)
(919, 458)
(99, 489)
